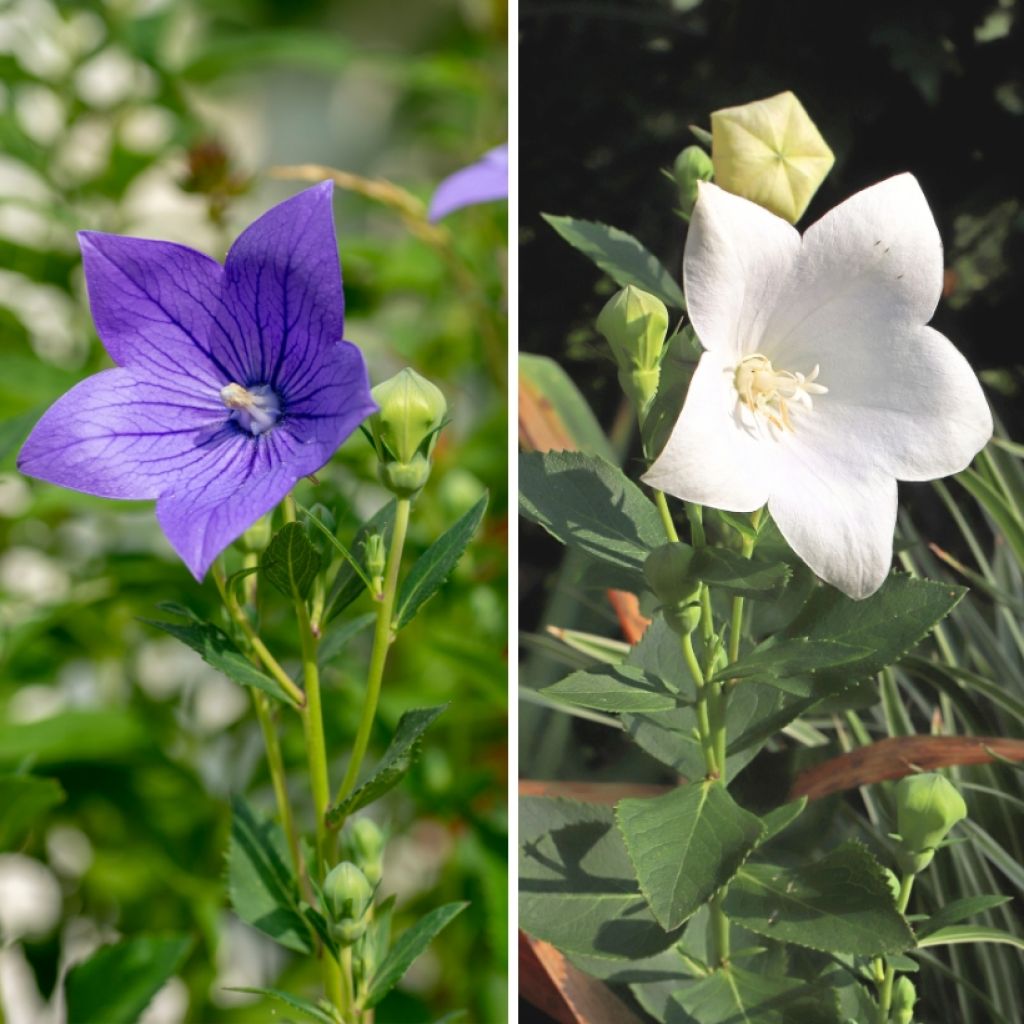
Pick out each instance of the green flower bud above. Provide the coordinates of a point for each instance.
(771, 153)
(412, 410)
(682, 619)
(257, 537)
(376, 560)
(405, 479)
(635, 324)
(348, 895)
(366, 843)
(928, 805)
(667, 571)
(904, 997)
(691, 166)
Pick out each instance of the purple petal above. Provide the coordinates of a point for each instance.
(481, 182)
(123, 434)
(236, 483)
(157, 307)
(283, 282)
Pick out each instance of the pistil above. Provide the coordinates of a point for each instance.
(255, 409)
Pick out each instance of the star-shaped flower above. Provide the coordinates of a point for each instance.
(481, 182)
(820, 386)
(232, 382)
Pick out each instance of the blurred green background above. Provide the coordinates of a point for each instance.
(161, 119)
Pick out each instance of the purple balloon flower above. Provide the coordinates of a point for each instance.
(481, 182)
(232, 382)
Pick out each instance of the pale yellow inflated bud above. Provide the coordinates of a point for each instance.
(771, 153)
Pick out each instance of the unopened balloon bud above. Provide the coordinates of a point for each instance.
(635, 324)
(376, 560)
(904, 997)
(366, 842)
(411, 412)
(693, 165)
(928, 805)
(771, 153)
(667, 571)
(348, 895)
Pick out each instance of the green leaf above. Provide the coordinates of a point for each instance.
(24, 799)
(780, 818)
(290, 563)
(407, 948)
(577, 886)
(682, 351)
(108, 735)
(839, 904)
(589, 504)
(324, 530)
(257, 51)
(888, 623)
(685, 846)
(783, 663)
(541, 378)
(347, 585)
(218, 650)
(392, 767)
(737, 996)
(612, 688)
(956, 911)
(961, 933)
(434, 565)
(261, 886)
(295, 1002)
(728, 570)
(998, 508)
(117, 983)
(620, 256)
(337, 638)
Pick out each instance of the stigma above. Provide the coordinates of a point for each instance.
(774, 394)
(254, 409)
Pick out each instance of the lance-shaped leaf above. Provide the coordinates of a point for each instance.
(589, 504)
(434, 565)
(734, 995)
(290, 562)
(294, 1002)
(117, 983)
(348, 585)
(685, 846)
(839, 904)
(407, 948)
(392, 767)
(888, 623)
(969, 933)
(792, 664)
(620, 256)
(218, 650)
(577, 886)
(955, 911)
(613, 688)
(261, 886)
(23, 800)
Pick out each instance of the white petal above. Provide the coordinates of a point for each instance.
(711, 457)
(737, 257)
(872, 263)
(905, 402)
(837, 517)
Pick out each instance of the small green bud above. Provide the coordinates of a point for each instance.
(928, 805)
(667, 571)
(681, 618)
(691, 166)
(904, 997)
(376, 560)
(348, 895)
(412, 410)
(366, 842)
(257, 537)
(635, 324)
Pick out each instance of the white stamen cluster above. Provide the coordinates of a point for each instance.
(770, 392)
(254, 409)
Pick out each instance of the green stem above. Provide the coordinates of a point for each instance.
(885, 991)
(703, 721)
(719, 931)
(666, 516)
(381, 643)
(275, 762)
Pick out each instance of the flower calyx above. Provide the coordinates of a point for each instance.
(348, 895)
(635, 324)
(411, 413)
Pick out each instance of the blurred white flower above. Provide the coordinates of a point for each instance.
(15, 495)
(33, 576)
(819, 385)
(246, 958)
(68, 850)
(40, 113)
(146, 129)
(30, 898)
(111, 77)
(169, 1005)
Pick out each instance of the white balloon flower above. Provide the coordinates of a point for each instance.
(820, 384)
